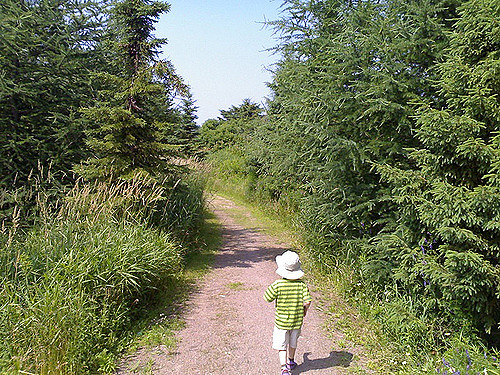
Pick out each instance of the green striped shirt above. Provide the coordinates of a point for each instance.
(290, 296)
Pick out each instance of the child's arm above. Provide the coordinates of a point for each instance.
(306, 307)
(270, 293)
(306, 299)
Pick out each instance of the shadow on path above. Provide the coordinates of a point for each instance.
(243, 250)
(335, 359)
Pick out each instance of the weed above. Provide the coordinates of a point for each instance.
(236, 286)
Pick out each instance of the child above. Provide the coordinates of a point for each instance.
(292, 301)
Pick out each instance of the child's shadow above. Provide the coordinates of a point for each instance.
(342, 359)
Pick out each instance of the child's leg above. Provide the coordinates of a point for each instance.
(282, 356)
(292, 347)
(280, 343)
(291, 352)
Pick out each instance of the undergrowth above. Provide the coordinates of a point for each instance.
(75, 283)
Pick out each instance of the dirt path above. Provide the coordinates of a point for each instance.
(229, 325)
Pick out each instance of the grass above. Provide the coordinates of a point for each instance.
(74, 285)
(236, 286)
(252, 216)
(160, 325)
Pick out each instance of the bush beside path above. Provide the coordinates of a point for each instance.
(229, 325)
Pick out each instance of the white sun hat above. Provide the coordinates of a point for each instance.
(289, 265)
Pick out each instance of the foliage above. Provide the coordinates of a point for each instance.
(447, 232)
(231, 129)
(246, 110)
(342, 101)
(18, 206)
(79, 265)
(382, 135)
(227, 162)
(73, 283)
(48, 49)
(189, 130)
(131, 124)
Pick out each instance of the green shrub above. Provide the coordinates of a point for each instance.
(228, 162)
(72, 284)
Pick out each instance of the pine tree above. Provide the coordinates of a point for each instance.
(47, 50)
(342, 102)
(446, 247)
(135, 109)
(189, 130)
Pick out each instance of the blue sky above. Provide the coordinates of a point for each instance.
(218, 47)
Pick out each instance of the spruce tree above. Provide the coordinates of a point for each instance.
(47, 50)
(245, 111)
(343, 95)
(446, 245)
(189, 130)
(135, 111)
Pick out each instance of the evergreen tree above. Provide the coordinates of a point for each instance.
(47, 50)
(135, 112)
(233, 128)
(342, 101)
(245, 111)
(445, 246)
(189, 129)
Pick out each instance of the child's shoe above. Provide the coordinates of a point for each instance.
(285, 371)
(291, 364)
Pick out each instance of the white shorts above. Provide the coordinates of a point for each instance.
(282, 338)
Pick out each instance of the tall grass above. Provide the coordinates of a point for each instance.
(72, 284)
